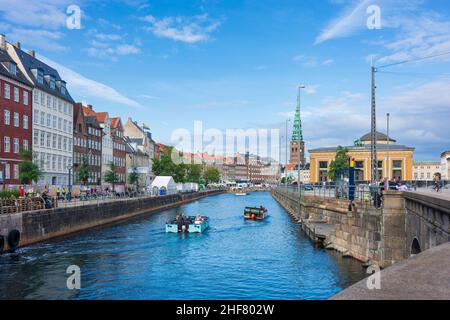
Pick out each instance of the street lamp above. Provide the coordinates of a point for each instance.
(4, 174)
(300, 87)
(70, 182)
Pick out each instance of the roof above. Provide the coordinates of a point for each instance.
(114, 122)
(380, 137)
(163, 181)
(29, 62)
(365, 148)
(100, 116)
(19, 76)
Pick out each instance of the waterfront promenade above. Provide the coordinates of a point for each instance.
(423, 277)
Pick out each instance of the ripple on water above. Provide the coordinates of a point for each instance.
(234, 259)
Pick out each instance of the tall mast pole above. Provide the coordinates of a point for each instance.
(373, 147)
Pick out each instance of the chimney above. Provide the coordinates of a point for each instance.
(32, 53)
(2, 42)
(16, 44)
(90, 106)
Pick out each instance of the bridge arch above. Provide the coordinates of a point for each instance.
(415, 246)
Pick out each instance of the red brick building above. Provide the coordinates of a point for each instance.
(15, 117)
(119, 151)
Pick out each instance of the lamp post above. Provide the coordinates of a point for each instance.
(388, 164)
(285, 167)
(4, 174)
(300, 87)
(69, 195)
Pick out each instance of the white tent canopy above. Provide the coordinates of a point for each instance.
(163, 186)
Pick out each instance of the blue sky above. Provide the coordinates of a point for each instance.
(236, 64)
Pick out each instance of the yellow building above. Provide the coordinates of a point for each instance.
(394, 161)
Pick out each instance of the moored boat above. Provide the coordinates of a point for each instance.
(241, 193)
(255, 213)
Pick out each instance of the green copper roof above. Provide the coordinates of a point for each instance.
(297, 134)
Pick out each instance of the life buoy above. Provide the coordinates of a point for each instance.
(2, 244)
(13, 239)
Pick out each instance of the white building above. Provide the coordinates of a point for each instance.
(425, 170)
(52, 117)
(163, 186)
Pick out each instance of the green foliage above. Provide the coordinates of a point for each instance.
(194, 173)
(164, 166)
(84, 172)
(211, 175)
(339, 165)
(111, 175)
(8, 194)
(28, 171)
(133, 178)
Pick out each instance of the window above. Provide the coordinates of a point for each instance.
(65, 126)
(26, 146)
(7, 171)
(52, 82)
(54, 141)
(398, 169)
(7, 91)
(42, 139)
(16, 95)
(25, 122)
(16, 171)
(49, 103)
(40, 76)
(63, 87)
(25, 98)
(59, 142)
(36, 137)
(49, 140)
(59, 123)
(54, 122)
(42, 118)
(16, 145)
(16, 119)
(13, 68)
(53, 162)
(54, 104)
(49, 120)
(7, 119)
(36, 97)
(36, 116)
(6, 144)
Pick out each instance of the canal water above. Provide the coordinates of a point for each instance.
(234, 259)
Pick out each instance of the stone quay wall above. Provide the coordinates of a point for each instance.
(41, 225)
(370, 235)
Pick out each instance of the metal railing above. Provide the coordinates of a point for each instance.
(363, 194)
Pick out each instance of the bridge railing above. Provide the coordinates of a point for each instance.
(363, 194)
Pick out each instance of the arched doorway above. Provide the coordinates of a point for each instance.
(415, 247)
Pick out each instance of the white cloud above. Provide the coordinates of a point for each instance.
(311, 61)
(87, 88)
(37, 39)
(48, 14)
(185, 29)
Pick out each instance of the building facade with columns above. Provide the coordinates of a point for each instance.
(445, 165)
(395, 161)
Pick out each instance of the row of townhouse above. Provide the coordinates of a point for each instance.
(38, 113)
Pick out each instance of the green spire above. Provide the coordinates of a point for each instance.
(297, 134)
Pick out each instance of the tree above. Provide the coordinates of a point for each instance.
(28, 171)
(211, 175)
(340, 164)
(111, 175)
(133, 178)
(194, 173)
(84, 171)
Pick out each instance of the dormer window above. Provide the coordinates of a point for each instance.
(63, 87)
(52, 82)
(13, 68)
(39, 75)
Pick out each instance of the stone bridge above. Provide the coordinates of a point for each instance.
(407, 224)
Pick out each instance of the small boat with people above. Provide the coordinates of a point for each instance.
(255, 213)
(188, 224)
(241, 193)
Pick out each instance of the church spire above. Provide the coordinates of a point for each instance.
(297, 134)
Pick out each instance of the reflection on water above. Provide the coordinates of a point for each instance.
(234, 259)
